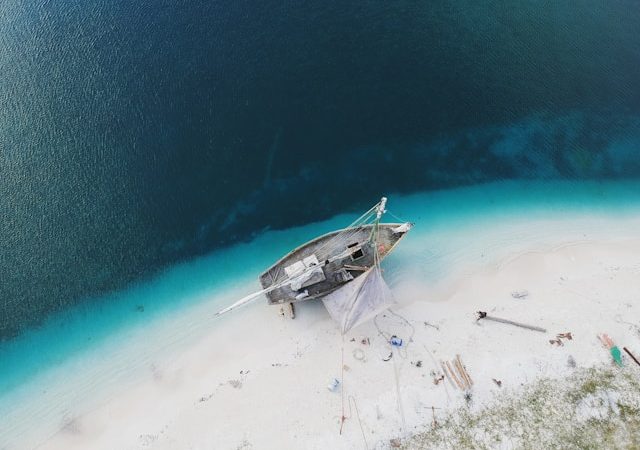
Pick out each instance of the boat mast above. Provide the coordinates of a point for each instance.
(380, 210)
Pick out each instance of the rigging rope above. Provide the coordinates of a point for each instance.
(353, 227)
(398, 396)
(376, 266)
(387, 336)
(437, 369)
(340, 239)
(396, 217)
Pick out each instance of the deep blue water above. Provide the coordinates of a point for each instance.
(137, 134)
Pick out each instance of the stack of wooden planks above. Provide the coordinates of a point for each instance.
(457, 374)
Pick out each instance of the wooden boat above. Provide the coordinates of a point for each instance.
(329, 261)
(342, 268)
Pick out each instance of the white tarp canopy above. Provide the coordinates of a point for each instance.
(359, 300)
(309, 277)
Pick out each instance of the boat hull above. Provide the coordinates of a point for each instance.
(350, 255)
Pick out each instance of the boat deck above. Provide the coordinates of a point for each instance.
(352, 255)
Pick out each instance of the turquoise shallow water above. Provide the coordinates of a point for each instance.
(454, 228)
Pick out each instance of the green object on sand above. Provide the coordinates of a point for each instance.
(617, 355)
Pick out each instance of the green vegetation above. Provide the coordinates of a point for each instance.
(596, 408)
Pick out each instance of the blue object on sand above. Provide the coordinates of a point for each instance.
(617, 355)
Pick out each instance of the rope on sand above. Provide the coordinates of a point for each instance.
(401, 352)
(399, 397)
(435, 365)
(387, 336)
(364, 438)
(342, 417)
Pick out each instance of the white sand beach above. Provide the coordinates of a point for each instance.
(257, 380)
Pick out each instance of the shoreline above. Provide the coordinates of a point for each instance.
(278, 397)
(179, 358)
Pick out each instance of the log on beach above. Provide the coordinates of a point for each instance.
(484, 315)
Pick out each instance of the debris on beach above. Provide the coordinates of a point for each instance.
(333, 385)
(435, 423)
(244, 445)
(448, 375)
(291, 310)
(205, 398)
(484, 315)
(468, 397)
(359, 355)
(427, 324)
(520, 294)
(497, 382)
(146, 440)
(607, 342)
(632, 355)
(463, 371)
(559, 337)
(457, 373)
